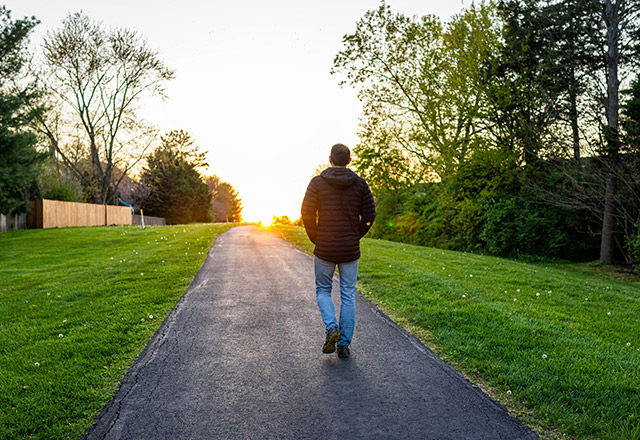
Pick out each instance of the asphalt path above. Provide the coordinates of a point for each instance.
(240, 358)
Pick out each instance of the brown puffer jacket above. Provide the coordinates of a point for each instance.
(337, 211)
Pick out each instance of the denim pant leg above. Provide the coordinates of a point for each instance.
(324, 281)
(348, 276)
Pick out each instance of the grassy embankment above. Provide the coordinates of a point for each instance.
(558, 344)
(77, 306)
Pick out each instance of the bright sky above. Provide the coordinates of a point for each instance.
(252, 83)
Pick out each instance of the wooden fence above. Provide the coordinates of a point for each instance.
(12, 222)
(149, 221)
(56, 214)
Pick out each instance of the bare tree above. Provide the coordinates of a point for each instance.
(95, 78)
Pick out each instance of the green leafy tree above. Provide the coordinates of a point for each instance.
(225, 203)
(19, 158)
(419, 84)
(522, 80)
(560, 57)
(178, 192)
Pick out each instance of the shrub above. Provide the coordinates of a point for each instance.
(60, 192)
(513, 226)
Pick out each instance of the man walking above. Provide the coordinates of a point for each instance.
(337, 211)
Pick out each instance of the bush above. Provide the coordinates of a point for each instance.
(55, 183)
(60, 192)
(515, 227)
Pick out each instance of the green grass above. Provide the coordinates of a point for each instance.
(77, 306)
(558, 344)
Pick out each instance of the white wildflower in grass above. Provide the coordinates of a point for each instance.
(515, 299)
(142, 320)
(64, 321)
(59, 296)
(548, 291)
(608, 313)
(471, 275)
(537, 293)
(48, 293)
(628, 344)
(443, 268)
(517, 290)
(61, 335)
(150, 316)
(544, 356)
(37, 364)
(508, 392)
(141, 274)
(389, 265)
(464, 295)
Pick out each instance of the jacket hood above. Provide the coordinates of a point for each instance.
(339, 177)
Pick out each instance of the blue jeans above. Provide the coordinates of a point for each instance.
(324, 281)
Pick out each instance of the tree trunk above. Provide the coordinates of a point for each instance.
(573, 116)
(608, 242)
(607, 245)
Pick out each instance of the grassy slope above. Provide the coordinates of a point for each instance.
(557, 344)
(77, 306)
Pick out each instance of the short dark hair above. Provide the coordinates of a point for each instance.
(340, 155)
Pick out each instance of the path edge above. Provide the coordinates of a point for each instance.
(108, 416)
(431, 355)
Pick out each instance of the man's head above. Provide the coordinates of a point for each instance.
(340, 155)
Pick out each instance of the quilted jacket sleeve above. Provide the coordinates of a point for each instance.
(310, 212)
(367, 210)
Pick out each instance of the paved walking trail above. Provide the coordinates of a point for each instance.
(240, 358)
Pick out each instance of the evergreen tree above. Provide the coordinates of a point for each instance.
(19, 158)
(227, 207)
(177, 191)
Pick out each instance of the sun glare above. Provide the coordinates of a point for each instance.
(266, 221)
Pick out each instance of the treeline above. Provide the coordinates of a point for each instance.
(71, 128)
(514, 128)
